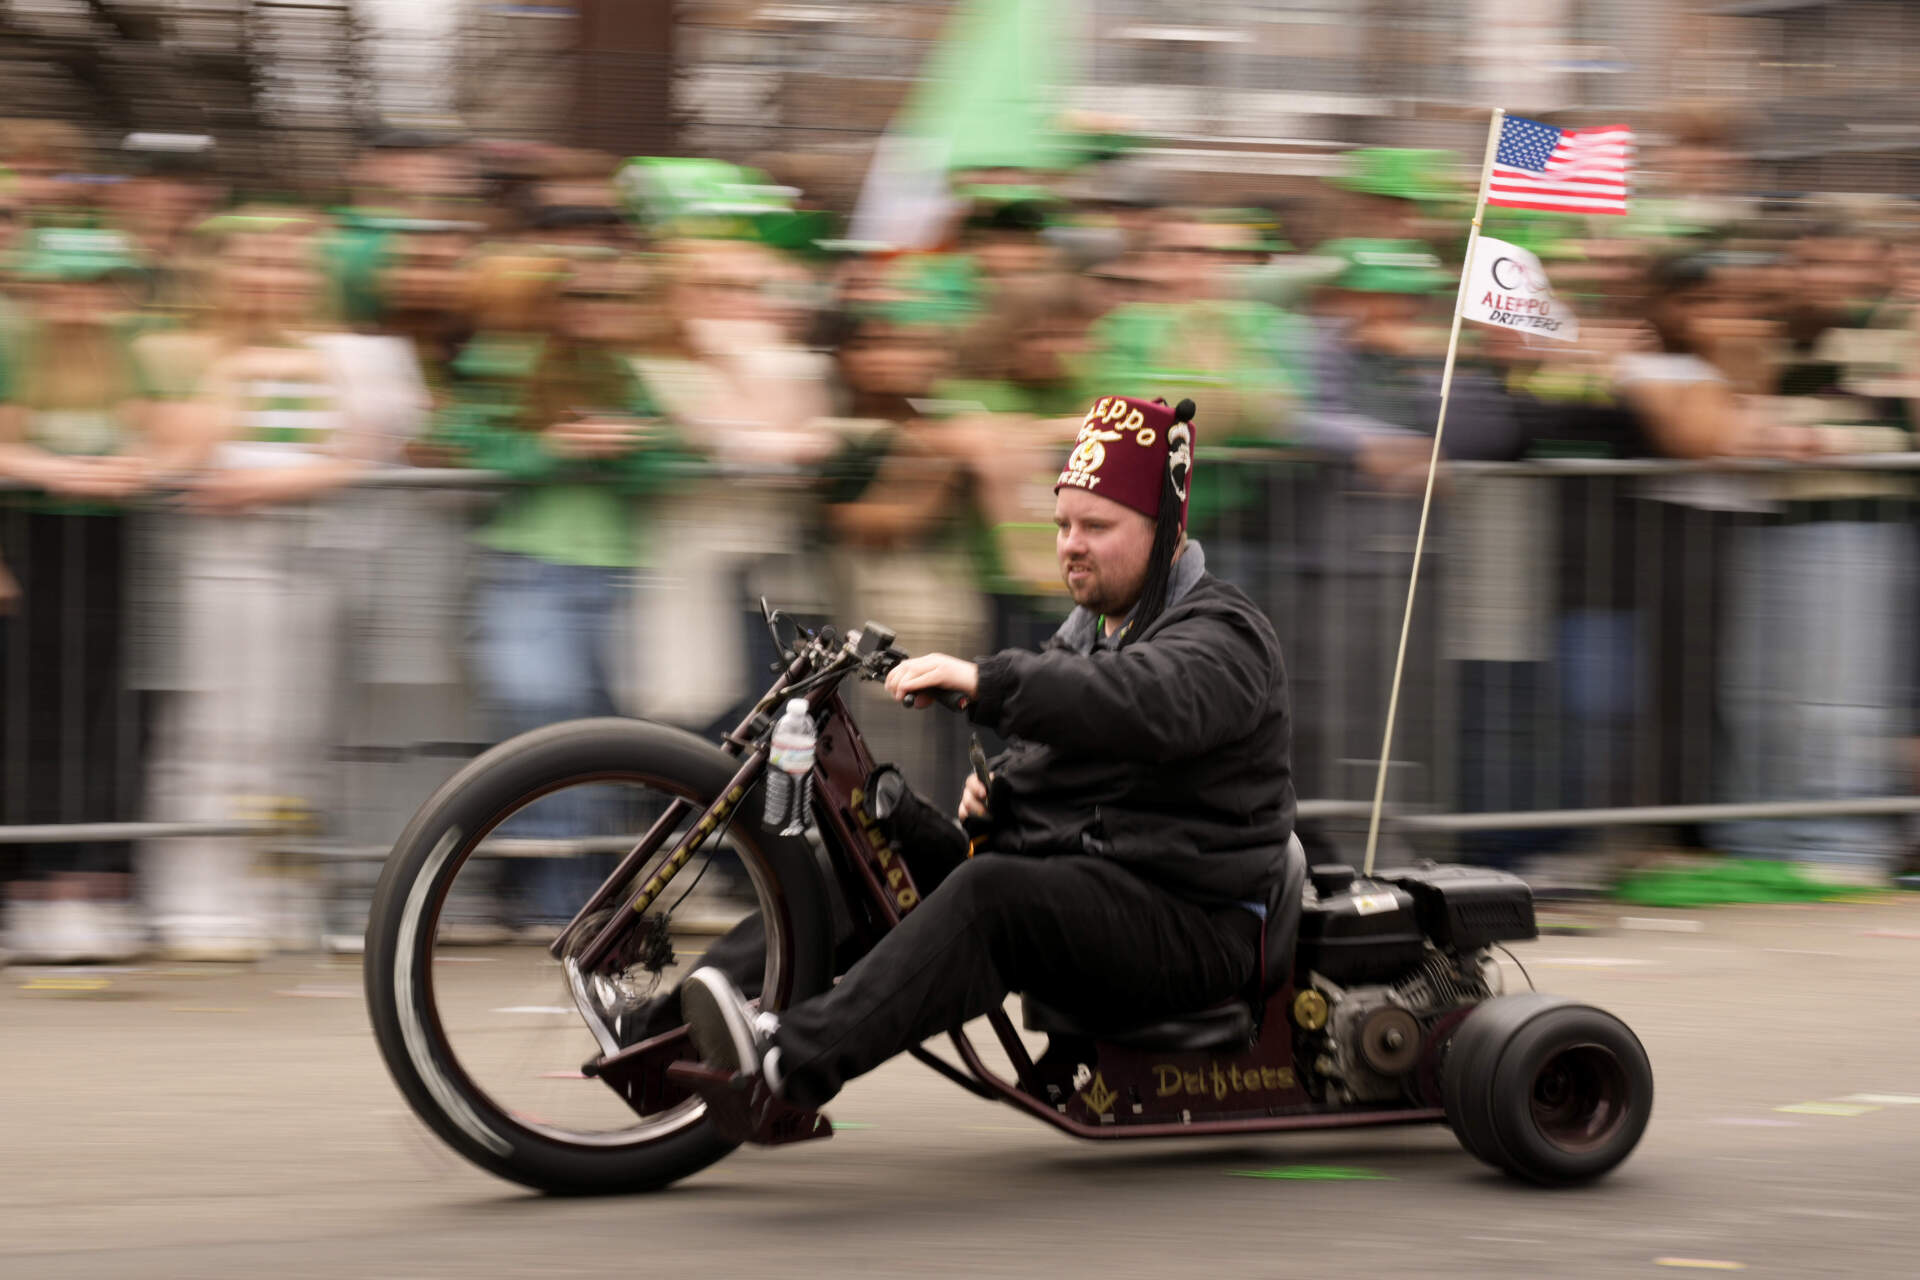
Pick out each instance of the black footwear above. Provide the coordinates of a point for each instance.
(726, 1031)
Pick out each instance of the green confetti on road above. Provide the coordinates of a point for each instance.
(1313, 1173)
(838, 1125)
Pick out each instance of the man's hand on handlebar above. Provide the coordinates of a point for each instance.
(918, 681)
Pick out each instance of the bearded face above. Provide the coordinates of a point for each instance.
(1103, 549)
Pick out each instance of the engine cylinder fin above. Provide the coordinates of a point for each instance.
(1439, 983)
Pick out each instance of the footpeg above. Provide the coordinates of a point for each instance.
(745, 1109)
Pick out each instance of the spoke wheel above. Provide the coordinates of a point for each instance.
(477, 1020)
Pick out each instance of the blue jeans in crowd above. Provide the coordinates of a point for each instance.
(1814, 686)
(1534, 737)
(543, 635)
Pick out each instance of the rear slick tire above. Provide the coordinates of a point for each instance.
(1469, 1062)
(1546, 1089)
(1572, 1096)
(401, 930)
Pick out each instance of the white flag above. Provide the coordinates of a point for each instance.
(1510, 289)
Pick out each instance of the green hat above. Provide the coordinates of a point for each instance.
(1403, 173)
(1386, 266)
(715, 200)
(77, 254)
(796, 230)
(687, 196)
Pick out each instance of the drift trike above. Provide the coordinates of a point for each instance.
(1379, 1002)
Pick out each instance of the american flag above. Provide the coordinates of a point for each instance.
(1566, 170)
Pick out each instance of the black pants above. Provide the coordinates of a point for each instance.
(69, 729)
(931, 845)
(1081, 933)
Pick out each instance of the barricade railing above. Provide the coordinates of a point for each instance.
(1598, 643)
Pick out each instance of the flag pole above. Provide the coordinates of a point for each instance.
(1426, 502)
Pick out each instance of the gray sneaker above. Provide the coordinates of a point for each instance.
(726, 1030)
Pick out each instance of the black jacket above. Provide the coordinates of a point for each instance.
(1169, 755)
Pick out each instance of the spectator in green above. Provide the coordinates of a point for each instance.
(1028, 355)
(268, 554)
(1243, 361)
(171, 185)
(78, 425)
(1016, 400)
(406, 278)
(1813, 708)
(723, 365)
(899, 505)
(566, 415)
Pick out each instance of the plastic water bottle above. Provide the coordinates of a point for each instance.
(790, 772)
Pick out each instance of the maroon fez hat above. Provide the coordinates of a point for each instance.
(1127, 448)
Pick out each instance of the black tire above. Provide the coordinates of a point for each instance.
(1546, 1089)
(401, 928)
(1471, 1056)
(1572, 1095)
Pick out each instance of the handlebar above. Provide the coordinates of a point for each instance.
(868, 652)
(951, 699)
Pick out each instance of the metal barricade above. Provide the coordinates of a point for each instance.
(1596, 644)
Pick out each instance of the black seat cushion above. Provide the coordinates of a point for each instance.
(1228, 1025)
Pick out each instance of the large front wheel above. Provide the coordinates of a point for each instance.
(479, 1031)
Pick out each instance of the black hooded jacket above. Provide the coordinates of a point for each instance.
(1169, 755)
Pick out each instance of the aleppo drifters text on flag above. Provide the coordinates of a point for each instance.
(1508, 288)
(1539, 166)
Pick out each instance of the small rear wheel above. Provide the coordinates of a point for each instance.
(1470, 1059)
(1546, 1089)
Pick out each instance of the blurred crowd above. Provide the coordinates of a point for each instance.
(697, 395)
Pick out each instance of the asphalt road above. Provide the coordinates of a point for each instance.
(207, 1124)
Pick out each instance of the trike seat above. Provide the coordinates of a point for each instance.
(1229, 1024)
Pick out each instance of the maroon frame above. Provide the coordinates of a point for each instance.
(1127, 1092)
